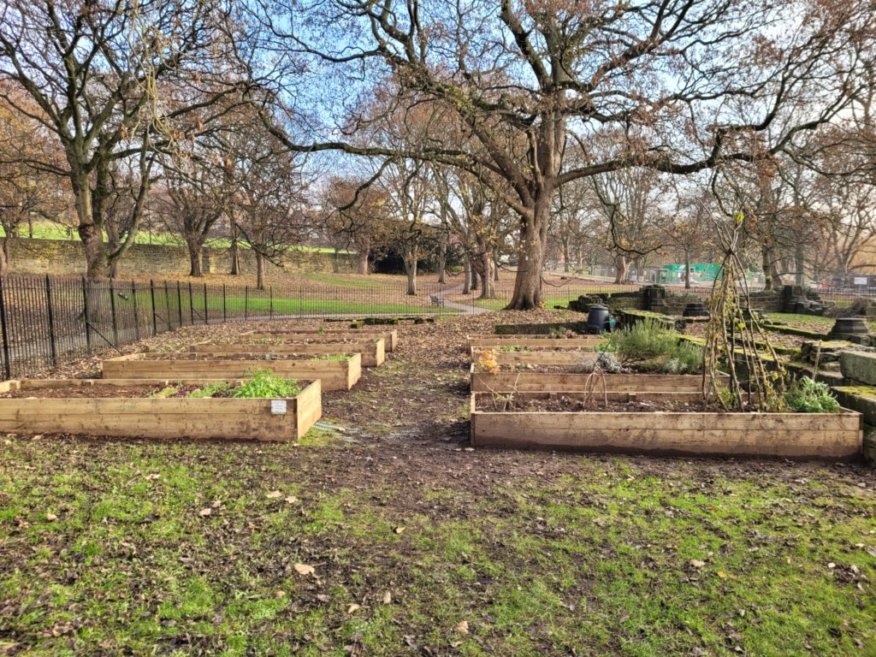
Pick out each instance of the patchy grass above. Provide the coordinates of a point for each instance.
(108, 549)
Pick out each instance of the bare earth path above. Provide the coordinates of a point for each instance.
(384, 534)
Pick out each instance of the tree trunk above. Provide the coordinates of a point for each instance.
(260, 271)
(567, 267)
(442, 260)
(363, 262)
(410, 262)
(799, 264)
(234, 251)
(466, 275)
(530, 259)
(195, 246)
(96, 263)
(687, 269)
(4, 256)
(495, 268)
(112, 246)
(620, 264)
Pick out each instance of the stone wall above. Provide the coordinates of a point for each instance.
(66, 258)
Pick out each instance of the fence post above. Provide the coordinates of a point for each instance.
(245, 302)
(191, 306)
(51, 314)
(206, 320)
(154, 314)
(167, 305)
(85, 315)
(224, 309)
(7, 366)
(179, 302)
(112, 294)
(271, 302)
(136, 318)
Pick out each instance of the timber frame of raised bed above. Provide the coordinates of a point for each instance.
(525, 381)
(373, 354)
(788, 435)
(334, 374)
(534, 343)
(165, 418)
(390, 337)
(539, 357)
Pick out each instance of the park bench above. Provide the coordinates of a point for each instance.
(437, 299)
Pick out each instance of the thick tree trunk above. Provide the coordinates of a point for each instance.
(495, 268)
(410, 262)
(620, 264)
(769, 282)
(112, 246)
(466, 274)
(260, 271)
(484, 269)
(96, 262)
(195, 247)
(567, 265)
(530, 259)
(362, 267)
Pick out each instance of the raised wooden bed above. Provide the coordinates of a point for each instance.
(531, 343)
(390, 337)
(334, 374)
(790, 435)
(252, 419)
(372, 351)
(539, 356)
(504, 382)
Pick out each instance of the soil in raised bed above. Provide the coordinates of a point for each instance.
(62, 391)
(595, 403)
(190, 355)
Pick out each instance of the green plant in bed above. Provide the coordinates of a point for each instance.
(808, 396)
(210, 390)
(265, 384)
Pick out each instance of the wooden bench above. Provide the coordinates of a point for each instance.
(437, 299)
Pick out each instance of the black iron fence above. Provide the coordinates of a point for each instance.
(46, 321)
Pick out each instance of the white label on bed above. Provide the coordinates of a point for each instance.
(278, 407)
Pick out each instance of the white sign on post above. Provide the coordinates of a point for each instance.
(278, 407)
(860, 280)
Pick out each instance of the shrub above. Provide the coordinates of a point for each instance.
(808, 396)
(654, 347)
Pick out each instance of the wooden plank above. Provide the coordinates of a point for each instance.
(839, 435)
(390, 337)
(335, 375)
(565, 357)
(373, 354)
(164, 418)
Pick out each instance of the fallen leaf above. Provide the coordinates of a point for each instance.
(722, 574)
(152, 476)
(387, 598)
(279, 594)
(304, 569)
(353, 608)
(51, 517)
(696, 563)
(462, 627)
(399, 530)
(206, 512)
(291, 499)
(274, 494)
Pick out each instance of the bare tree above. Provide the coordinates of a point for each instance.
(695, 78)
(94, 71)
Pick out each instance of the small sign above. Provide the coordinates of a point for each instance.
(278, 407)
(860, 280)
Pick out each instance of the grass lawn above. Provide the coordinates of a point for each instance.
(50, 231)
(178, 549)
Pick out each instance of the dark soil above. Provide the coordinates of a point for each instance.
(595, 404)
(190, 355)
